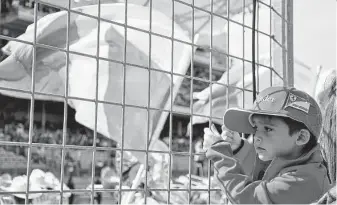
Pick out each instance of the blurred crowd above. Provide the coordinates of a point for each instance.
(7, 5)
(18, 132)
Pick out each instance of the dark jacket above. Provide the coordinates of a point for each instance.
(299, 181)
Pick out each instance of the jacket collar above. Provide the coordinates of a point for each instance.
(276, 165)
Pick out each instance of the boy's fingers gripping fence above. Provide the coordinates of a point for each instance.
(214, 130)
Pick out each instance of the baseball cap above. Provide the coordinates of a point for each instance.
(277, 101)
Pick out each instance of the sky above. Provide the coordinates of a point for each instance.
(315, 32)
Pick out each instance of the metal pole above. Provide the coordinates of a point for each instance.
(32, 104)
(65, 104)
(43, 117)
(283, 43)
(254, 48)
(290, 44)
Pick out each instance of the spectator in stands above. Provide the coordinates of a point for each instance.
(199, 158)
(109, 173)
(6, 6)
(98, 181)
(2, 121)
(22, 2)
(70, 183)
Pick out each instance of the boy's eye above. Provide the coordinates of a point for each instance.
(268, 129)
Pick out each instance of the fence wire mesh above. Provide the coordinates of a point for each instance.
(108, 99)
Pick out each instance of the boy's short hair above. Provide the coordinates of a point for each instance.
(295, 126)
(278, 101)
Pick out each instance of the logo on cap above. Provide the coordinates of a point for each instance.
(266, 98)
(292, 98)
(297, 103)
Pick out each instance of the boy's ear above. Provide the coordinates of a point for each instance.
(303, 137)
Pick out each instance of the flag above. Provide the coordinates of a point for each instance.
(139, 82)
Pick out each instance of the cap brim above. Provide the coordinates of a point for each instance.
(237, 120)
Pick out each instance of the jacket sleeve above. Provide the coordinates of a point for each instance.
(290, 187)
(246, 156)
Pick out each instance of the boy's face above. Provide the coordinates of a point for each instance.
(272, 138)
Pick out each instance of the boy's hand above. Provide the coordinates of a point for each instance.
(212, 135)
(231, 137)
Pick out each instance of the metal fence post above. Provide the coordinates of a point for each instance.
(290, 44)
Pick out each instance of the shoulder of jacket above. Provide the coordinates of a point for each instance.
(304, 168)
(314, 172)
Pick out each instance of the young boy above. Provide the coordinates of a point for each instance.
(289, 167)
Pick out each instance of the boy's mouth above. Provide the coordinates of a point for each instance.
(260, 149)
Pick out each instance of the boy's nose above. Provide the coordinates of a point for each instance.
(257, 140)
